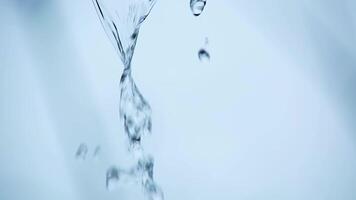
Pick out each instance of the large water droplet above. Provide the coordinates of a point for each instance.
(82, 151)
(204, 55)
(197, 6)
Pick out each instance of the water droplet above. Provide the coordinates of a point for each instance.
(204, 55)
(96, 151)
(197, 6)
(82, 151)
(112, 178)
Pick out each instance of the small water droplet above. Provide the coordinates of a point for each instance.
(96, 151)
(82, 151)
(204, 55)
(197, 6)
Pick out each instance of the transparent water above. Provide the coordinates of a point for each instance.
(135, 112)
(197, 6)
(271, 116)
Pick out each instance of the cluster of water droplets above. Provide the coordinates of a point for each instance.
(135, 111)
(83, 151)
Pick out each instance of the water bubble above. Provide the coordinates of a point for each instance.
(197, 6)
(82, 151)
(204, 55)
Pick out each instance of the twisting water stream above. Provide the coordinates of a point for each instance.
(135, 112)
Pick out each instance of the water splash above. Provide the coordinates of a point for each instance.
(135, 111)
(197, 6)
(82, 151)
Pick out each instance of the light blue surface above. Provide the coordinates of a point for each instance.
(272, 116)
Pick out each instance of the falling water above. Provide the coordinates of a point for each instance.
(135, 111)
(197, 7)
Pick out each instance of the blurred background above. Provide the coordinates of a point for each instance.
(271, 116)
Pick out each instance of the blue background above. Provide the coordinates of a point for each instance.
(271, 116)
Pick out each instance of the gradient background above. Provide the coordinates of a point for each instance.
(272, 116)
